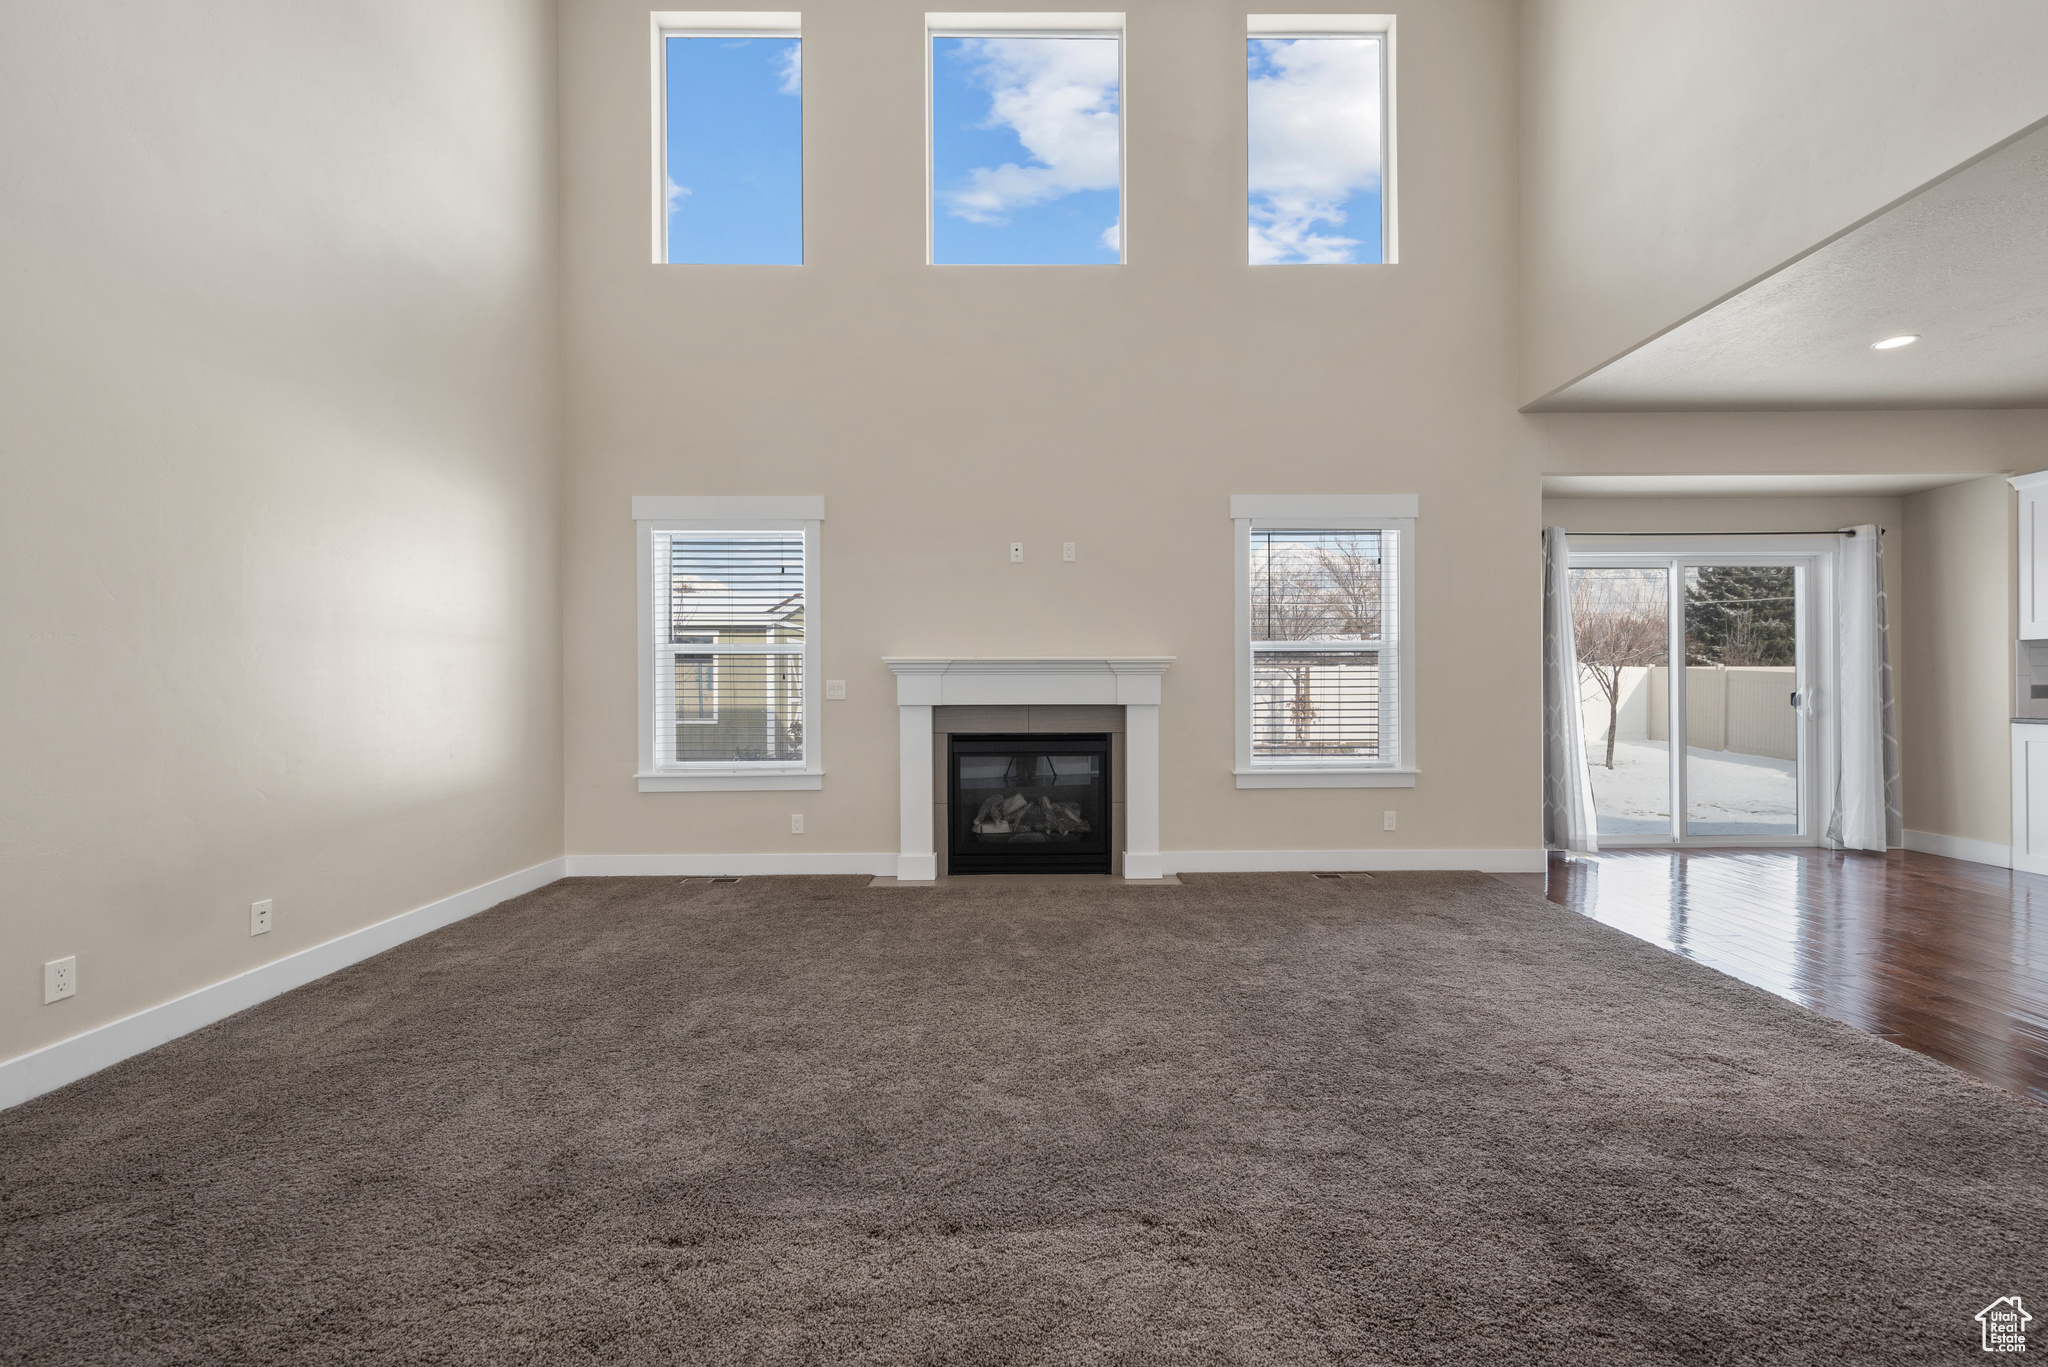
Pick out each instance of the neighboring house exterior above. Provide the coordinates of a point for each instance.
(731, 704)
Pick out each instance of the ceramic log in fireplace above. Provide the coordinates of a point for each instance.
(1032, 803)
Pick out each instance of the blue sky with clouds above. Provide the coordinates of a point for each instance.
(1313, 123)
(735, 151)
(1026, 152)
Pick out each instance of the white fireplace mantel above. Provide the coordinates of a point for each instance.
(1131, 682)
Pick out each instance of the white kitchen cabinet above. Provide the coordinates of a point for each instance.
(2030, 797)
(2033, 490)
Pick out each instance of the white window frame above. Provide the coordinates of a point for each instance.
(699, 24)
(1018, 24)
(1331, 512)
(1379, 26)
(768, 514)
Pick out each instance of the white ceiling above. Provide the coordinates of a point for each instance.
(1964, 263)
(1738, 486)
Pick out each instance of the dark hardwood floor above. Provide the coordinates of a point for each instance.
(1941, 956)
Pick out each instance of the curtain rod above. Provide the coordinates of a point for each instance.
(1832, 531)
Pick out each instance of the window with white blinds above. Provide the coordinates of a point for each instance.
(1323, 661)
(729, 659)
(1323, 626)
(729, 652)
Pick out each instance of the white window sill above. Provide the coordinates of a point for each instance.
(1326, 778)
(732, 781)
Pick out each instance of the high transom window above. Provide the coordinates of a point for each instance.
(1318, 115)
(729, 139)
(1026, 138)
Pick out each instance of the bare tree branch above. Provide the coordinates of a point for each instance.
(1619, 622)
(1316, 586)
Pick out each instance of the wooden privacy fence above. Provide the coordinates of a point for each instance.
(1746, 709)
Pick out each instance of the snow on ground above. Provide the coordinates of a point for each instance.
(1729, 794)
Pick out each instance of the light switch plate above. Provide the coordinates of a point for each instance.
(835, 690)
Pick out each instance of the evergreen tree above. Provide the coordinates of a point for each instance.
(1740, 615)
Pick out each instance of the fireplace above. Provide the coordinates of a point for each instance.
(928, 687)
(1028, 803)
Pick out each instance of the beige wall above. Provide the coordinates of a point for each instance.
(1851, 443)
(1674, 151)
(1955, 734)
(1703, 513)
(944, 413)
(279, 527)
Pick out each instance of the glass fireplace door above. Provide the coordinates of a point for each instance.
(1028, 804)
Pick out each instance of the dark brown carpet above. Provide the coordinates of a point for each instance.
(1254, 1119)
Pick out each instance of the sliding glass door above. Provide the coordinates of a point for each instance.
(1721, 637)
(1741, 691)
(1621, 617)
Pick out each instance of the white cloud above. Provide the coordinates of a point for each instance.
(1059, 95)
(1113, 236)
(793, 69)
(675, 193)
(1282, 231)
(1314, 142)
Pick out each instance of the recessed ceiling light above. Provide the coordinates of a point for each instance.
(1888, 343)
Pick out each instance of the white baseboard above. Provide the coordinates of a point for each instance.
(923, 868)
(1347, 861)
(1137, 866)
(1142, 867)
(725, 865)
(52, 1066)
(1957, 847)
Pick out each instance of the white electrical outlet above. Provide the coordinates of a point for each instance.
(60, 979)
(259, 917)
(1387, 822)
(835, 690)
(1016, 552)
(1066, 550)
(796, 823)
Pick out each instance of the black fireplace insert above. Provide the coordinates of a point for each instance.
(1028, 804)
